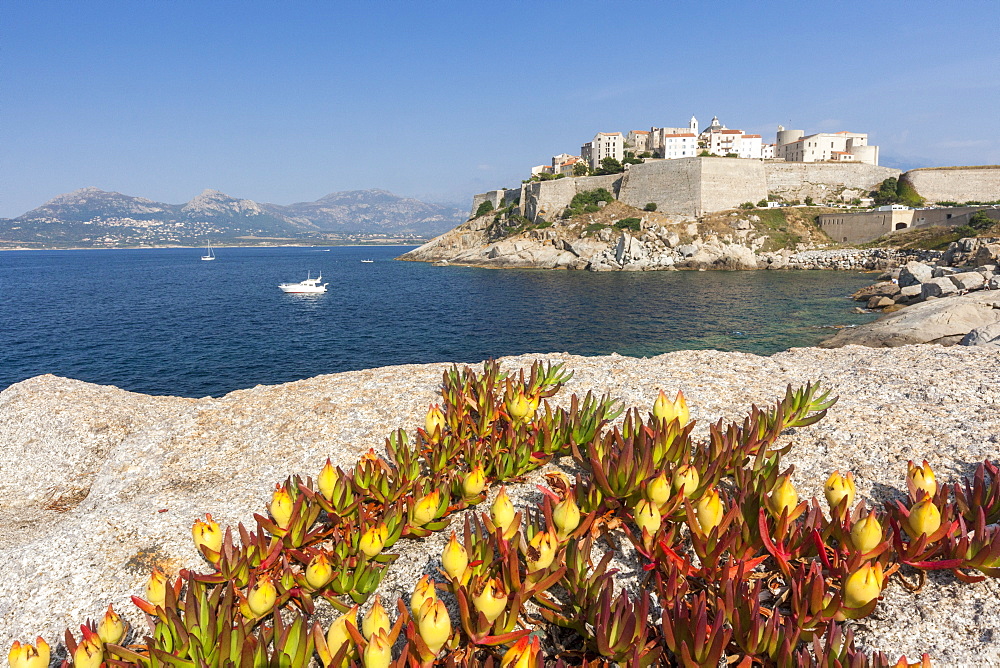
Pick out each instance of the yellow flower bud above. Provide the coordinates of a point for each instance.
(454, 558)
(207, 534)
(709, 511)
(519, 408)
(838, 488)
(523, 654)
(658, 490)
(474, 482)
(281, 506)
(156, 588)
(491, 601)
(647, 516)
(866, 534)
(434, 423)
(925, 518)
(686, 476)
(423, 591)
(89, 653)
(863, 586)
(338, 635)
(566, 516)
(663, 408)
(327, 480)
(922, 478)
(373, 540)
(541, 551)
(262, 596)
(28, 656)
(681, 406)
(376, 621)
(378, 652)
(783, 497)
(426, 508)
(434, 624)
(319, 572)
(111, 630)
(502, 511)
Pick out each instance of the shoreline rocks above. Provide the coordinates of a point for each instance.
(101, 485)
(943, 304)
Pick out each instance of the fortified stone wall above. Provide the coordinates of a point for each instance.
(824, 181)
(547, 199)
(728, 182)
(862, 226)
(695, 186)
(962, 184)
(498, 198)
(673, 185)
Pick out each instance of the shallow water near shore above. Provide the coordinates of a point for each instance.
(161, 321)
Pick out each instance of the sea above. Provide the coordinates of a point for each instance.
(161, 321)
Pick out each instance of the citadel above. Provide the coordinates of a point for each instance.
(714, 140)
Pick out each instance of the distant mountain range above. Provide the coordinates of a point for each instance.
(91, 216)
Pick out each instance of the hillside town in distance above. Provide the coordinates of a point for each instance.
(608, 152)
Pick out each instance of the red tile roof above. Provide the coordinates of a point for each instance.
(686, 134)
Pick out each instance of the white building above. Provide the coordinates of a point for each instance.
(717, 139)
(657, 136)
(795, 146)
(679, 145)
(603, 145)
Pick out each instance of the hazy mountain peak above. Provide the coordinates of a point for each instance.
(213, 203)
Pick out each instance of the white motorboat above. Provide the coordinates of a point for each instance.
(367, 261)
(308, 286)
(209, 253)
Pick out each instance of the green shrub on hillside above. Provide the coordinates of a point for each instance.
(484, 208)
(586, 202)
(629, 224)
(897, 191)
(650, 207)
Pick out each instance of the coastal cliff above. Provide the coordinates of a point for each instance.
(101, 485)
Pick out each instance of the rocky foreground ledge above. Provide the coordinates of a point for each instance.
(99, 485)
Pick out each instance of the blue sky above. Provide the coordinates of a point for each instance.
(288, 101)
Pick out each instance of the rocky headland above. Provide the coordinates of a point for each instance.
(620, 237)
(101, 485)
(955, 300)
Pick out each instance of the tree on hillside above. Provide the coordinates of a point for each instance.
(484, 208)
(610, 166)
(581, 169)
(886, 193)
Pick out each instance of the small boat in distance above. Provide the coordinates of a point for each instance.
(209, 253)
(367, 261)
(308, 286)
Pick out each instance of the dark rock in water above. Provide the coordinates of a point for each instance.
(880, 302)
(883, 289)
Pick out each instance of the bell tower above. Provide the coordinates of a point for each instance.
(693, 125)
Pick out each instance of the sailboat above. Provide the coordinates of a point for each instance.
(209, 253)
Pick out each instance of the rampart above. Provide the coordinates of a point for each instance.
(861, 226)
(824, 181)
(696, 186)
(547, 199)
(957, 184)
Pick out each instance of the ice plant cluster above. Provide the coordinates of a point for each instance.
(737, 569)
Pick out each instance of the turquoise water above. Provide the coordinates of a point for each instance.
(164, 322)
